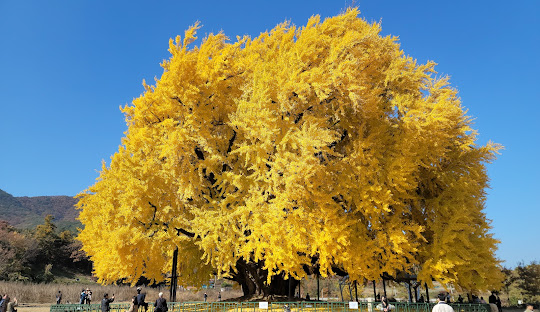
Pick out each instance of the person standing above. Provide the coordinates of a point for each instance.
(12, 305)
(83, 296)
(385, 305)
(205, 297)
(141, 297)
(88, 298)
(4, 303)
(161, 304)
(442, 306)
(133, 306)
(492, 298)
(59, 297)
(105, 302)
(529, 308)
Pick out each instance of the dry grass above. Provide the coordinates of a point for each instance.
(36, 295)
(34, 307)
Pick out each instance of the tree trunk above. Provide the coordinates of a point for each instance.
(252, 278)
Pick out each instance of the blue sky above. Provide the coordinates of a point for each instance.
(67, 66)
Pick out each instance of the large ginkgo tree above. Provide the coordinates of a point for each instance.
(321, 149)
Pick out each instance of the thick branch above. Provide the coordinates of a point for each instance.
(182, 231)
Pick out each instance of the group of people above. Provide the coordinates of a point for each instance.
(86, 296)
(494, 299)
(138, 302)
(443, 306)
(7, 305)
(443, 300)
(205, 297)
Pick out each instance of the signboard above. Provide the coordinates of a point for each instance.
(263, 305)
(353, 305)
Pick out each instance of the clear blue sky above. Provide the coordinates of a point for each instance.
(67, 66)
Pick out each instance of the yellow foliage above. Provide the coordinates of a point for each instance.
(321, 144)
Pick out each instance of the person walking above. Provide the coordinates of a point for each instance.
(442, 306)
(105, 302)
(161, 304)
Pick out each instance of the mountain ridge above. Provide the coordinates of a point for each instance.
(27, 212)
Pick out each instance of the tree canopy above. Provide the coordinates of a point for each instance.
(317, 149)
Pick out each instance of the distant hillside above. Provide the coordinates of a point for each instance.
(27, 212)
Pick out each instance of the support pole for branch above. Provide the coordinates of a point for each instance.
(174, 276)
(318, 291)
(384, 287)
(290, 287)
(356, 291)
(374, 290)
(427, 292)
(409, 290)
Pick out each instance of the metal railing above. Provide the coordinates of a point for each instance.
(304, 306)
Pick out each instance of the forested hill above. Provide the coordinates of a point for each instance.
(27, 212)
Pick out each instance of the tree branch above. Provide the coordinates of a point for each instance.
(182, 231)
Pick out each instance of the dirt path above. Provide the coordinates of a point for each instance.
(34, 307)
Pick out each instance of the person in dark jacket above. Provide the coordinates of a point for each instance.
(140, 299)
(105, 302)
(161, 304)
